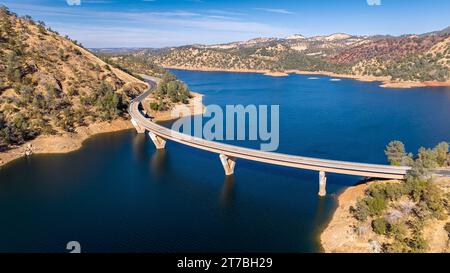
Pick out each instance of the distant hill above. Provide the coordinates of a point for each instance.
(445, 31)
(415, 58)
(115, 50)
(51, 85)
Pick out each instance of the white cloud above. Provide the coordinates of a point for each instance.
(73, 2)
(96, 28)
(281, 11)
(374, 2)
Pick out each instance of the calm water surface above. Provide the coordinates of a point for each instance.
(118, 194)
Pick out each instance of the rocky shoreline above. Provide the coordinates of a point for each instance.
(69, 142)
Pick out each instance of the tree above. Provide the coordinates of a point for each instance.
(361, 211)
(107, 102)
(395, 152)
(441, 152)
(428, 158)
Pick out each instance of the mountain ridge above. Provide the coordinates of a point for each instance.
(407, 58)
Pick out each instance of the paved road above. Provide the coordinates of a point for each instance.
(316, 164)
(443, 172)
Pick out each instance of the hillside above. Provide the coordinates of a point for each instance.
(414, 58)
(49, 85)
(408, 216)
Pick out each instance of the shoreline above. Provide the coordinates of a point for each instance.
(70, 142)
(65, 142)
(385, 82)
(339, 235)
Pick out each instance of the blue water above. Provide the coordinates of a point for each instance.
(118, 194)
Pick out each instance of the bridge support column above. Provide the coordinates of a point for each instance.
(322, 184)
(159, 142)
(228, 164)
(139, 129)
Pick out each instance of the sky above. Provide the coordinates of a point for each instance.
(162, 23)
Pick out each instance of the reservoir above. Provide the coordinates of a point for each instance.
(118, 194)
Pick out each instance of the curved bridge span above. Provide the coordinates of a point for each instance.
(229, 153)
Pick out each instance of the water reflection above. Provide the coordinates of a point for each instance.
(139, 144)
(227, 195)
(159, 162)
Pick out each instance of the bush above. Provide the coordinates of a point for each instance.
(432, 197)
(389, 191)
(394, 191)
(428, 158)
(397, 231)
(417, 244)
(62, 55)
(441, 151)
(154, 106)
(380, 226)
(396, 247)
(361, 211)
(376, 205)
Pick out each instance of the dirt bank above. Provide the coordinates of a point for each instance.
(68, 142)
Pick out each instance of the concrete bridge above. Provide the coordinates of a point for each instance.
(229, 153)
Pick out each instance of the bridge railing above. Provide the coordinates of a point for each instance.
(160, 134)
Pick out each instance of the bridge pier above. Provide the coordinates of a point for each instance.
(228, 164)
(138, 128)
(322, 184)
(159, 142)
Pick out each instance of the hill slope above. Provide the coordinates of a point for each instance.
(50, 85)
(414, 58)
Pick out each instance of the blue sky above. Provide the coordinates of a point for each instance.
(160, 23)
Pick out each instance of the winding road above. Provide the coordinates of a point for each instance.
(229, 153)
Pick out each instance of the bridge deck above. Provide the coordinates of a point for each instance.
(316, 164)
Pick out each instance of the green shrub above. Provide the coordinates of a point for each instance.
(394, 191)
(428, 158)
(397, 231)
(154, 106)
(416, 244)
(380, 226)
(376, 205)
(396, 247)
(361, 211)
(435, 203)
